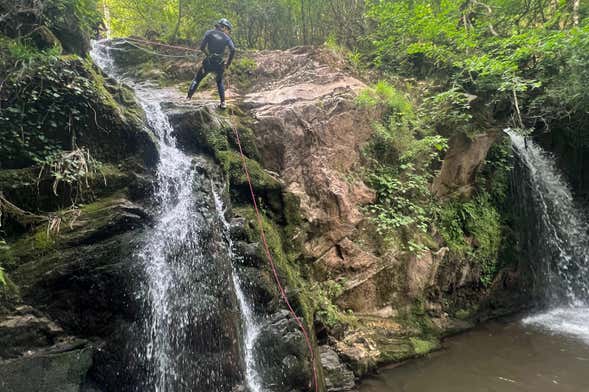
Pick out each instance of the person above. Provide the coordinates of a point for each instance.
(213, 45)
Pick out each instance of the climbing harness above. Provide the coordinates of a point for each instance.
(271, 262)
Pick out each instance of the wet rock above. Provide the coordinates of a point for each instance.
(59, 369)
(237, 229)
(337, 375)
(83, 277)
(250, 254)
(198, 129)
(26, 330)
(283, 354)
(259, 288)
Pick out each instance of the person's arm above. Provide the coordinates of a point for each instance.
(231, 46)
(204, 43)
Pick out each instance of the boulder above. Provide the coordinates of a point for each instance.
(464, 157)
(282, 354)
(62, 368)
(338, 377)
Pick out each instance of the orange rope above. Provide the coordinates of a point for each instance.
(273, 266)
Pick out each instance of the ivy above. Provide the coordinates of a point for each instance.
(45, 102)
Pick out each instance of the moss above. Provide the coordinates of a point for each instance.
(41, 243)
(473, 229)
(463, 314)
(416, 321)
(323, 297)
(118, 98)
(247, 139)
(424, 346)
(99, 84)
(242, 72)
(232, 165)
(216, 138)
(43, 240)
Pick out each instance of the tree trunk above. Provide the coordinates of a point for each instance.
(576, 6)
(177, 28)
(303, 22)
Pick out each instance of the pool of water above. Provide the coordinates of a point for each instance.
(498, 357)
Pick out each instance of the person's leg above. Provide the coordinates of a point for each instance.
(200, 74)
(220, 84)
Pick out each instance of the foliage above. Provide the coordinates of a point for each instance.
(257, 23)
(473, 229)
(448, 112)
(404, 156)
(58, 13)
(69, 22)
(531, 55)
(384, 93)
(46, 100)
(323, 297)
(403, 164)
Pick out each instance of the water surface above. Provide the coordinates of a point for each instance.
(499, 357)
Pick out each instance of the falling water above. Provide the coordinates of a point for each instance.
(556, 240)
(187, 327)
(251, 327)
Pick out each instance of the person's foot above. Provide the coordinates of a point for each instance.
(222, 105)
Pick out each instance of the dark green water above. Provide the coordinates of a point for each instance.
(500, 357)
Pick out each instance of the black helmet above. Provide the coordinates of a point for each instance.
(224, 22)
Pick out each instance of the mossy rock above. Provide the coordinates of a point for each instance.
(232, 164)
(82, 277)
(70, 104)
(31, 189)
(54, 372)
(44, 39)
(422, 346)
(295, 285)
(102, 219)
(9, 294)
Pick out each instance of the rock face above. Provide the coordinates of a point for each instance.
(464, 157)
(310, 131)
(338, 377)
(70, 279)
(57, 370)
(302, 133)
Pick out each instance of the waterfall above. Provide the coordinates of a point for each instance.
(187, 341)
(251, 327)
(556, 239)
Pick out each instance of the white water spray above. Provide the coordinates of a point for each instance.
(562, 248)
(250, 327)
(174, 265)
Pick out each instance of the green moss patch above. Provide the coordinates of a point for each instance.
(233, 166)
(422, 346)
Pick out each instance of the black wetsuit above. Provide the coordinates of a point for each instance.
(214, 44)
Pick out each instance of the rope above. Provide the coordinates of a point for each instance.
(272, 265)
(133, 43)
(156, 53)
(160, 44)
